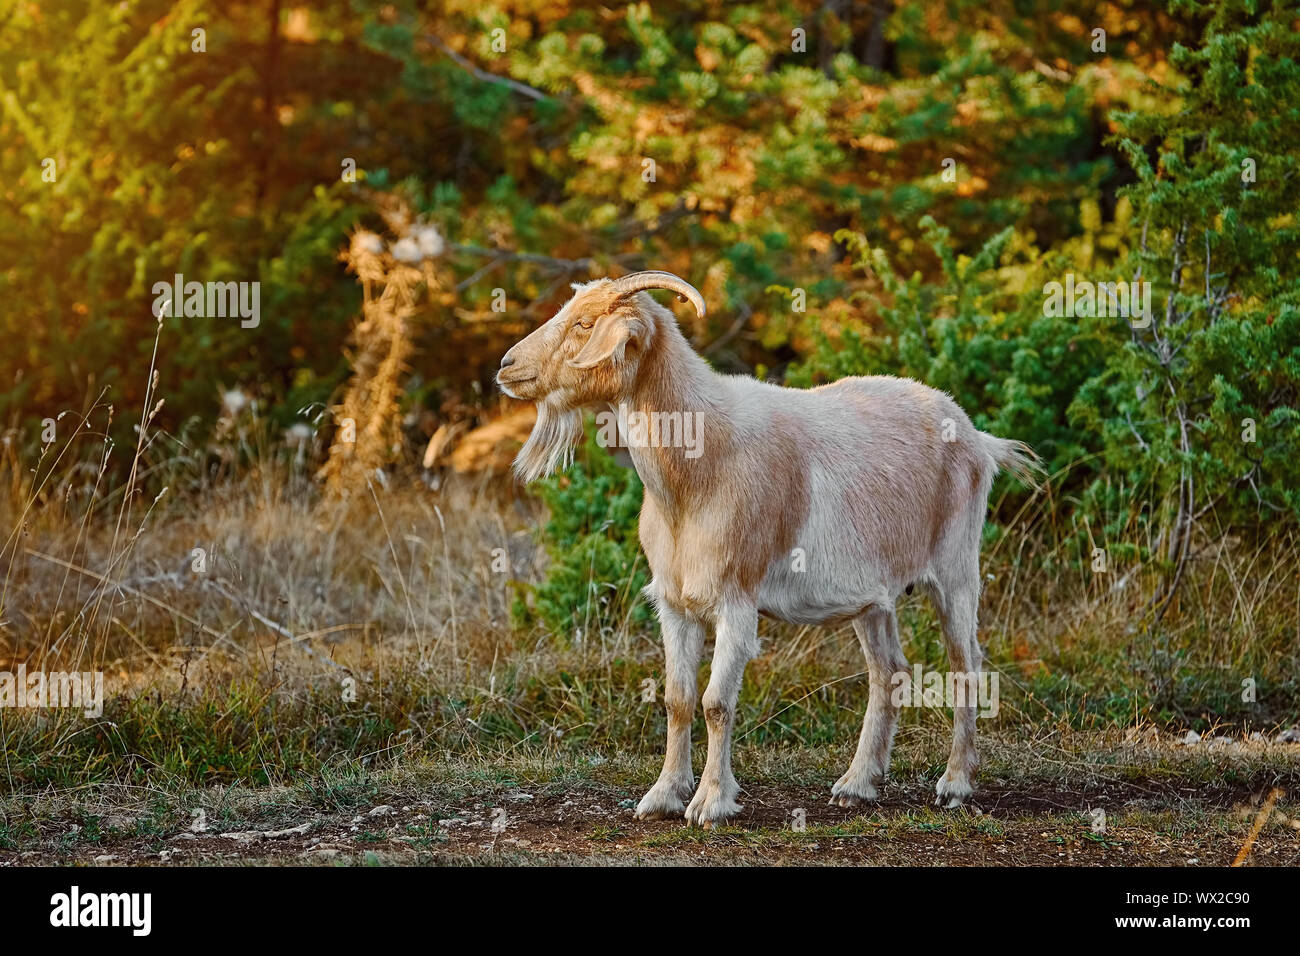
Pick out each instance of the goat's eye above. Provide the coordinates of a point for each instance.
(586, 322)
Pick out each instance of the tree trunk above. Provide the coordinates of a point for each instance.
(270, 92)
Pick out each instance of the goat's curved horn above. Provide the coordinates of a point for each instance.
(640, 281)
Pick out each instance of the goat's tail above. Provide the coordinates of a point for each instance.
(1015, 457)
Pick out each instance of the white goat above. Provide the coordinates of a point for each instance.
(813, 506)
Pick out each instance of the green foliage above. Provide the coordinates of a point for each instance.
(224, 164)
(596, 573)
(160, 162)
(979, 333)
(961, 167)
(1205, 401)
(1197, 408)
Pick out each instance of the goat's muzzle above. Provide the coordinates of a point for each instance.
(510, 375)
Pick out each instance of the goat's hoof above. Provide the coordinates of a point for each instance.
(847, 800)
(853, 792)
(664, 800)
(713, 806)
(952, 793)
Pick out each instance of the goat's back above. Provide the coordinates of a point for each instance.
(891, 467)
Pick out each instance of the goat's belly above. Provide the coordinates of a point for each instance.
(812, 614)
(798, 598)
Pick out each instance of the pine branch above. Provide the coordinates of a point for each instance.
(521, 88)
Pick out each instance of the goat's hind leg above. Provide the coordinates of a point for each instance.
(683, 638)
(877, 631)
(958, 606)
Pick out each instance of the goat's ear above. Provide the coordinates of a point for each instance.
(609, 339)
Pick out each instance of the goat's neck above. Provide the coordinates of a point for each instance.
(674, 378)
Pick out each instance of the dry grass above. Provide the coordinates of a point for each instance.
(395, 591)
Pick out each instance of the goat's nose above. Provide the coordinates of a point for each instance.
(507, 360)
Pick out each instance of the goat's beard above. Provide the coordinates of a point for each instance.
(551, 443)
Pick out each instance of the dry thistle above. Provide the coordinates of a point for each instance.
(367, 420)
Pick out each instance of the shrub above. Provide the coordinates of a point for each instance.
(597, 571)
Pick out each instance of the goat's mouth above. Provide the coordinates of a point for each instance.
(505, 384)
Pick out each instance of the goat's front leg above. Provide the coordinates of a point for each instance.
(683, 638)
(735, 645)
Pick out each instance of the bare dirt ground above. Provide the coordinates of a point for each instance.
(1116, 806)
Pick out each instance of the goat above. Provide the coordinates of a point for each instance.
(810, 506)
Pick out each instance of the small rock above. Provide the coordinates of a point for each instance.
(1188, 739)
(184, 836)
(382, 810)
(105, 858)
(1289, 736)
